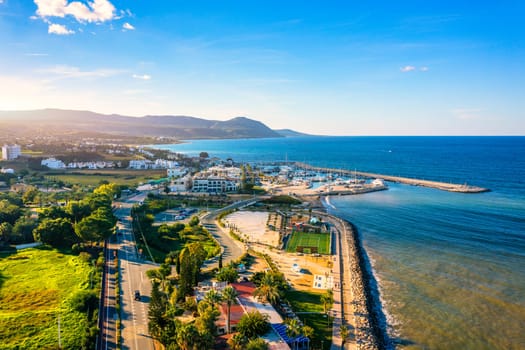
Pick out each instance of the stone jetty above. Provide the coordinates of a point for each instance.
(462, 188)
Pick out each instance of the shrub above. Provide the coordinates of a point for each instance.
(84, 300)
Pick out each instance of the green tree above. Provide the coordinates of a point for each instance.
(55, 232)
(84, 300)
(23, 229)
(53, 212)
(208, 315)
(268, 288)
(213, 297)
(227, 274)
(253, 324)
(307, 331)
(30, 194)
(188, 337)
(110, 190)
(6, 230)
(93, 228)
(77, 210)
(293, 329)
(237, 342)
(256, 344)
(191, 259)
(9, 212)
(345, 333)
(327, 299)
(229, 296)
(157, 321)
(194, 221)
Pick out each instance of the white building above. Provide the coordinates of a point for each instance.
(165, 164)
(10, 152)
(181, 184)
(53, 163)
(176, 172)
(140, 164)
(215, 184)
(231, 172)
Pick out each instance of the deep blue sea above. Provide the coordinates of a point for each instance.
(450, 266)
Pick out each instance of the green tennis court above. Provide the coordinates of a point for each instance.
(309, 243)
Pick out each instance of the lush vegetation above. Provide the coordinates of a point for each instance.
(59, 279)
(309, 243)
(163, 239)
(314, 304)
(35, 291)
(282, 200)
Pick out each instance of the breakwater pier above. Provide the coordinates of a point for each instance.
(445, 186)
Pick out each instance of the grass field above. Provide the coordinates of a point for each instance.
(321, 241)
(310, 302)
(36, 286)
(119, 176)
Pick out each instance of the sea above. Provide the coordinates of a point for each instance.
(450, 266)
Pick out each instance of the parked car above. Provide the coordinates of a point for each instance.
(137, 295)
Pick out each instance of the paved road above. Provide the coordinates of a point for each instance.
(134, 313)
(342, 310)
(231, 249)
(108, 338)
(133, 278)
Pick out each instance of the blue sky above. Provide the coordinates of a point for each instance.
(323, 67)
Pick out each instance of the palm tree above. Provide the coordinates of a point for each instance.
(256, 344)
(293, 329)
(253, 324)
(345, 333)
(328, 300)
(237, 342)
(213, 297)
(268, 289)
(307, 331)
(229, 296)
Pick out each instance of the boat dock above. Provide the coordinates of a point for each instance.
(444, 186)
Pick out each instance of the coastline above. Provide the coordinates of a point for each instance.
(367, 315)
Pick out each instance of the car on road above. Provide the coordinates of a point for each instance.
(137, 295)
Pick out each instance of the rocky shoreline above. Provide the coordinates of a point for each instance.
(369, 319)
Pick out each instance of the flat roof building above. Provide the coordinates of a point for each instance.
(10, 152)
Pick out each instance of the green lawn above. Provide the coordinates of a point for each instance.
(310, 242)
(311, 302)
(119, 176)
(36, 286)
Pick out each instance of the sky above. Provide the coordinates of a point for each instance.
(322, 67)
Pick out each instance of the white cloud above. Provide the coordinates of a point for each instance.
(95, 11)
(467, 113)
(70, 72)
(59, 29)
(128, 26)
(407, 69)
(142, 77)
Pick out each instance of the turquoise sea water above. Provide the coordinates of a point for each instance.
(450, 266)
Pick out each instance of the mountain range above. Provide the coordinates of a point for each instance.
(60, 122)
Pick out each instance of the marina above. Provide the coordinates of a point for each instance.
(451, 187)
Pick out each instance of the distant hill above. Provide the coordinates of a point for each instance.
(62, 122)
(290, 133)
